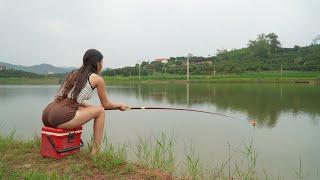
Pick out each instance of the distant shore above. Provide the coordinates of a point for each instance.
(31, 81)
(250, 77)
(254, 77)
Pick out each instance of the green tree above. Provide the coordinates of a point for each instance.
(316, 41)
(144, 63)
(260, 47)
(273, 41)
(262, 54)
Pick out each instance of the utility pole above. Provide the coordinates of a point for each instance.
(281, 71)
(188, 93)
(188, 57)
(214, 68)
(139, 69)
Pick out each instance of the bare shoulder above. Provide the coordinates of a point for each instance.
(95, 79)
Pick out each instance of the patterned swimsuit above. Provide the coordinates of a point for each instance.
(62, 111)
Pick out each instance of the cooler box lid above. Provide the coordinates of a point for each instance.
(59, 132)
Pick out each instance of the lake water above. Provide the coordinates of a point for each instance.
(287, 117)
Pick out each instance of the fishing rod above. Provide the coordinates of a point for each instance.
(251, 122)
(174, 109)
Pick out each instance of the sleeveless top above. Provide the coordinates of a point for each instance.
(85, 93)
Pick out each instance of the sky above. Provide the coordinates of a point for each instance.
(59, 32)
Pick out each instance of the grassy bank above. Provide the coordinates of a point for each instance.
(155, 159)
(254, 77)
(48, 80)
(22, 160)
(249, 77)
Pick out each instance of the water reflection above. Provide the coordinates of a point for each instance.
(279, 149)
(261, 102)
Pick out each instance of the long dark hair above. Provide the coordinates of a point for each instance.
(78, 78)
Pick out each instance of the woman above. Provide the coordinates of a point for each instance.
(68, 109)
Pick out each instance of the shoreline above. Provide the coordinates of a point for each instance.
(292, 81)
(22, 160)
(30, 81)
(246, 78)
(253, 81)
(155, 159)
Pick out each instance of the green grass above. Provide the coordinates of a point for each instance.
(268, 76)
(7, 173)
(21, 160)
(46, 80)
(250, 156)
(7, 141)
(157, 155)
(110, 157)
(18, 149)
(299, 172)
(32, 175)
(193, 165)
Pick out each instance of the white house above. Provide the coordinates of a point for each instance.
(3, 68)
(161, 60)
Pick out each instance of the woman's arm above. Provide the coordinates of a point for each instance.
(99, 83)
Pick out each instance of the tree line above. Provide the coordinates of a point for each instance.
(265, 53)
(18, 73)
(12, 73)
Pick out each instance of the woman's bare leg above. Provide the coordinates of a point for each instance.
(98, 127)
(83, 115)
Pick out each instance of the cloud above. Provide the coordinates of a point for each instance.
(126, 31)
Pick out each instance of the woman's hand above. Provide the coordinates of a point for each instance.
(123, 107)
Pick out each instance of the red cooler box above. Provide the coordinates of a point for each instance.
(57, 143)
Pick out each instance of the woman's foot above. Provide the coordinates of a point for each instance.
(93, 152)
(94, 149)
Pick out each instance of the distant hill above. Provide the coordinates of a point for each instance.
(39, 69)
(265, 53)
(11, 73)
